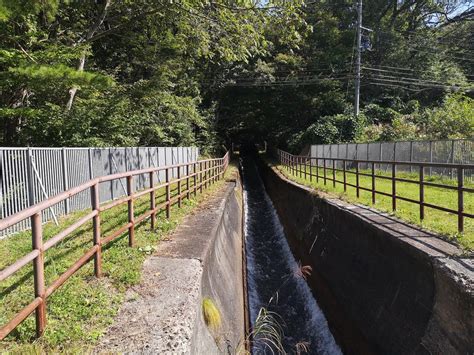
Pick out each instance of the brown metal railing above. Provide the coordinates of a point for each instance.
(303, 166)
(203, 173)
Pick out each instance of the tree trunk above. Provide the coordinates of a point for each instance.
(82, 61)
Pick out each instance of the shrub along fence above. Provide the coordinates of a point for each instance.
(311, 167)
(192, 176)
(30, 175)
(460, 151)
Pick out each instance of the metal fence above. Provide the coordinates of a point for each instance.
(31, 175)
(190, 178)
(332, 168)
(438, 151)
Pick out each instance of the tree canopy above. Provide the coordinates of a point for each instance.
(205, 72)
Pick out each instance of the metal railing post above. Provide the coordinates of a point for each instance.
(305, 165)
(213, 171)
(373, 183)
(95, 202)
(91, 168)
(152, 200)
(30, 183)
(422, 193)
(65, 179)
(131, 215)
(333, 173)
(394, 187)
(188, 193)
(179, 187)
(38, 270)
(324, 171)
(344, 175)
(200, 176)
(357, 180)
(317, 170)
(431, 157)
(195, 178)
(168, 199)
(460, 200)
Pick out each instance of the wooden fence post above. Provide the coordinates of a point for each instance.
(38, 270)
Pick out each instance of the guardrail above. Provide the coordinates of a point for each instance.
(303, 165)
(202, 173)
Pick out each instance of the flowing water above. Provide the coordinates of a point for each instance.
(274, 282)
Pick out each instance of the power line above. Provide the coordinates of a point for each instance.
(306, 81)
(391, 86)
(401, 75)
(397, 81)
(446, 54)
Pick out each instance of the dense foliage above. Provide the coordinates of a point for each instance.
(164, 72)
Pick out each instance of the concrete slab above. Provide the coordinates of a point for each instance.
(158, 315)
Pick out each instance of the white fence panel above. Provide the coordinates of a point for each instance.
(441, 151)
(30, 175)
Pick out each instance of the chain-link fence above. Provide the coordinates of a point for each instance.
(439, 151)
(31, 175)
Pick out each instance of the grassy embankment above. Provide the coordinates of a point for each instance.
(437, 221)
(79, 312)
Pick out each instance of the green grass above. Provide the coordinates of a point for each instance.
(442, 223)
(80, 311)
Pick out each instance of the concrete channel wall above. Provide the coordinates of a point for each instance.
(201, 260)
(223, 281)
(385, 287)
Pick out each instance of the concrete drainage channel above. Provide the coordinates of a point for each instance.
(384, 286)
(191, 298)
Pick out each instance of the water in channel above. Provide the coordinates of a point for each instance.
(274, 282)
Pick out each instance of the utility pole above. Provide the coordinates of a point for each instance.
(358, 59)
